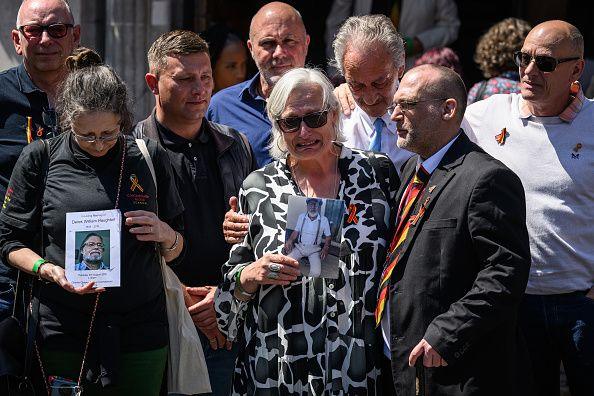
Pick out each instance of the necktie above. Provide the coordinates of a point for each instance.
(376, 141)
(404, 219)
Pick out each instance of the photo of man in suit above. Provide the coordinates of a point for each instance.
(459, 260)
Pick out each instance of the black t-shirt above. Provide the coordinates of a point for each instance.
(77, 182)
(198, 177)
(19, 99)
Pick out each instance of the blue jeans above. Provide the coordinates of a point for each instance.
(6, 300)
(560, 328)
(221, 365)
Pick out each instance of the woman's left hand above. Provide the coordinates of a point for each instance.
(148, 228)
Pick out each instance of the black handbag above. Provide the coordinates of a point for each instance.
(18, 331)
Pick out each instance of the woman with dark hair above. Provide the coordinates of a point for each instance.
(115, 337)
(228, 56)
(494, 55)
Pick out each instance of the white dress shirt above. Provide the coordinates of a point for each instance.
(358, 130)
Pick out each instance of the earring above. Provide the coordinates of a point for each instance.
(574, 88)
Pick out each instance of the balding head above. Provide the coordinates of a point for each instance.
(547, 93)
(279, 12)
(42, 8)
(429, 106)
(559, 34)
(278, 42)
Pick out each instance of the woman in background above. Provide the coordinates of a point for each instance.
(495, 57)
(228, 56)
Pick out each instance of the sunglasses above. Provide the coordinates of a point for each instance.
(312, 120)
(55, 30)
(92, 138)
(544, 63)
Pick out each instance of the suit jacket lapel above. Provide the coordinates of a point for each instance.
(440, 177)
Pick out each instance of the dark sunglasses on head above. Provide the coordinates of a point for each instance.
(312, 120)
(55, 30)
(543, 62)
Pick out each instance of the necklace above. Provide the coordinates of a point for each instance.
(303, 185)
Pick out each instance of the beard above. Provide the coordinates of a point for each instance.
(93, 258)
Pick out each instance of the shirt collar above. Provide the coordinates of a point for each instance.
(251, 88)
(431, 163)
(390, 125)
(26, 85)
(570, 112)
(171, 139)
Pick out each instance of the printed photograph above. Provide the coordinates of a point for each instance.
(313, 234)
(92, 250)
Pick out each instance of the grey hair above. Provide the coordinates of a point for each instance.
(95, 88)
(280, 94)
(65, 2)
(364, 32)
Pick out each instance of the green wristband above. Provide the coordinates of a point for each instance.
(238, 284)
(37, 265)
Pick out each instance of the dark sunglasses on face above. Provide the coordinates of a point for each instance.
(55, 30)
(543, 62)
(312, 120)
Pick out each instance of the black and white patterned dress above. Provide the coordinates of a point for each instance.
(315, 336)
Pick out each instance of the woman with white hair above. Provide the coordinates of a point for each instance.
(301, 334)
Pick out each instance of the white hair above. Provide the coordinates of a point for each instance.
(364, 32)
(277, 101)
(65, 2)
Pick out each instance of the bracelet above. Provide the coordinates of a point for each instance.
(238, 287)
(37, 265)
(175, 243)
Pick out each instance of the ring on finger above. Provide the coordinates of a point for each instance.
(274, 267)
(150, 229)
(272, 275)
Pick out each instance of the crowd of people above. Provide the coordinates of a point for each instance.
(466, 250)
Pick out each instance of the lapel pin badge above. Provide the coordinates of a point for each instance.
(431, 189)
(577, 147)
(500, 138)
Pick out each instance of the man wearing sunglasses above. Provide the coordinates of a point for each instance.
(545, 135)
(44, 35)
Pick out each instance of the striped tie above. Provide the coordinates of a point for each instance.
(403, 221)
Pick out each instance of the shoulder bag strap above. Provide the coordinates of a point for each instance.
(147, 157)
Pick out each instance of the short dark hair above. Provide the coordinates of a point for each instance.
(449, 84)
(177, 42)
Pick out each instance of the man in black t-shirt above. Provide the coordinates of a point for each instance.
(45, 36)
(210, 162)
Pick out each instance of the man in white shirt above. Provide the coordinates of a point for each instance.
(369, 53)
(311, 228)
(545, 135)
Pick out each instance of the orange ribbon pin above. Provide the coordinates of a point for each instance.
(352, 214)
(500, 138)
(135, 183)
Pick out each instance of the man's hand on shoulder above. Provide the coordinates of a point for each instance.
(430, 356)
(345, 98)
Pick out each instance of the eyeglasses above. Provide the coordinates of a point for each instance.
(92, 138)
(55, 30)
(312, 120)
(409, 104)
(95, 244)
(544, 63)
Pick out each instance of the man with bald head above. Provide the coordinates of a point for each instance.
(44, 35)
(459, 260)
(545, 135)
(278, 43)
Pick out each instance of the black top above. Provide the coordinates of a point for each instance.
(19, 99)
(77, 182)
(198, 179)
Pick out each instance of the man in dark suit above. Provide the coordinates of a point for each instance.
(460, 257)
